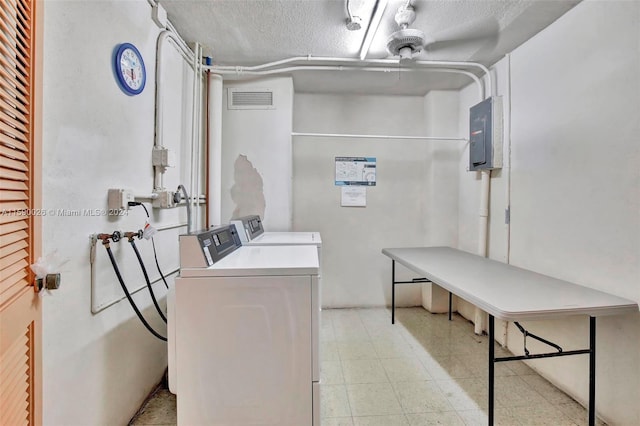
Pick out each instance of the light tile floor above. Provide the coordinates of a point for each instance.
(424, 370)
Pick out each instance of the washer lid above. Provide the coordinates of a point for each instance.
(287, 238)
(262, 260)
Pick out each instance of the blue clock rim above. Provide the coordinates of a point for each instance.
(122, 83)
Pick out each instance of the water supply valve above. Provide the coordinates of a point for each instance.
(49, 282)
(132, 235)
(115, 237)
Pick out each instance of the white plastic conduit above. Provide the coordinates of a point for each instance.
(240, 72)
(346, 135)
(321, 59)
(214, 175)
(483, 228)
(158, 183)
(218, 69)
(194, 189)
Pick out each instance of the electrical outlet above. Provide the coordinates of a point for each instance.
(118, 199)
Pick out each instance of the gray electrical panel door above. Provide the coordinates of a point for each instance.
(485, 135)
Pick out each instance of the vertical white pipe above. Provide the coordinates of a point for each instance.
(194, 140)
(199, 144)
(483, 230)
(198, 128)
(215, 149)
(484, 212)
(158, 183)
(158, 173)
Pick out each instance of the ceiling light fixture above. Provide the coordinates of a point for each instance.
(381, 5)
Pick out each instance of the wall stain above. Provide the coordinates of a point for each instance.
(247, 190)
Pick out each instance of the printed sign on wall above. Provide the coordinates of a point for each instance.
(356, 171)
(353, 196)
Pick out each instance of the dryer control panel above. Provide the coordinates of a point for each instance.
(202, 249)
(248, 227)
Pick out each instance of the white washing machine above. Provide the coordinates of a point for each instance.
(245, 332)
(252, 233)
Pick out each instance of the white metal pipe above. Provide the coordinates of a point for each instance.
(98, 309)
(171, 226)
(197, 95)
(474, 77)
(484, 212)
(194, 137)
(186, 52)
(214, 173)
(240, 71)
(200, 157)
(158, 183)
(345, 135)
(319, 59)
(507, 152)
(157, 140)
(483, 228)
(145, 197)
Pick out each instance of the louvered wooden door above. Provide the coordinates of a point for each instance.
(20, 313)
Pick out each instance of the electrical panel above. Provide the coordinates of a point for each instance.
(485, 135)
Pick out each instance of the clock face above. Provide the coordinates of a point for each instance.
(130, 69)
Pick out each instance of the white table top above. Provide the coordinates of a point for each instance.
(261, 260)
(505, 291)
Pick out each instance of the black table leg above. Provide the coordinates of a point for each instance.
(450, 298)
(592, 371)
(491, 368)
(393, 291)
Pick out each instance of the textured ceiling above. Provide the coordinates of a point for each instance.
(251, 32)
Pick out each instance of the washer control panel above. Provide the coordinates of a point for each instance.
(202, 249)
(248, 227)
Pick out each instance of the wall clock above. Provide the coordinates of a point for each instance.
(129, 69)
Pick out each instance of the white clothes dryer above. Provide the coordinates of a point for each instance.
(244, 334)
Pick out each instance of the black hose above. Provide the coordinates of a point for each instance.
(153, 244)
(155, 256)
(126, 292)
(146, 278)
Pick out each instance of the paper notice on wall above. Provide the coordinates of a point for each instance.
(358, 171)
(353, 196)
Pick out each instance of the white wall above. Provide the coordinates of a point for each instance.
(575, 189)
(264, 137)
(99, 368)
(355, 272)
(441, 109)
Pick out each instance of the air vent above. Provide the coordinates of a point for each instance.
(250, 99)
